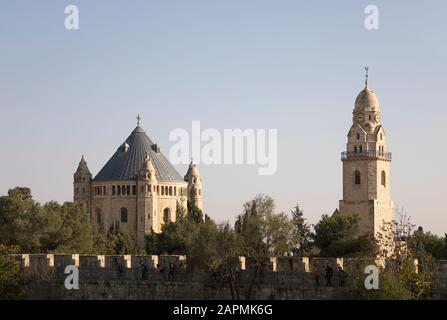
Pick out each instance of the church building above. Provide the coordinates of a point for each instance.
(137, 187)
(366, 166)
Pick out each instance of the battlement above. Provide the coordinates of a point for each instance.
(121, 277)
(107, 262)
(132, 262)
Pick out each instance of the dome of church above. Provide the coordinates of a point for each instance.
(126, 162)
(366, 101)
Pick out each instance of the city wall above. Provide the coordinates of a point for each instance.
(121, 277)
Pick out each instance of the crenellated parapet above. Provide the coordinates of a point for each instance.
(95, 264)
(147, 277)
(132, 262)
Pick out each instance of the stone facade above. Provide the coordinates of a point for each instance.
(138, 188)
(366, 167)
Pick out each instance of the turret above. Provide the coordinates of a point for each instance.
(81, 184)
(147, 171)
(194, 185)
(147, 206)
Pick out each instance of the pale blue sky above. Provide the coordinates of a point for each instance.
(292, 65)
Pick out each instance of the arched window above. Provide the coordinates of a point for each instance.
(360, 149)
(170, 191)
(381, 136)
(167, 215)
(123, 215)
(355, 149)
(358, 136)
(357, 177)
(383, 178)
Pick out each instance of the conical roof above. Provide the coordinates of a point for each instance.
(192, 171)
(82, 167)
(127, 160)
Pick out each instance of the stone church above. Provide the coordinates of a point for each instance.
(366, 166)
(137, 187)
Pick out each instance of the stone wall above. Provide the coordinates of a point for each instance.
(121, 277)
(440, 280)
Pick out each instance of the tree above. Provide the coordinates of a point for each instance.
(431, 243)
(301, 232)
(11, 278)
(227, 248)
(278, 230)
(262, 231)
(172, 239)
(338, 235)
(178, 237)
(22, 221)
(50, 228)
(194, 213)
(250, 226)
(202, 245)
(399, 247)
(120, 241)
(68, 229)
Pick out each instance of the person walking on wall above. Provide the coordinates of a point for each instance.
(171, 271)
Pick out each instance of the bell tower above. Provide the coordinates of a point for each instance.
(194, 185)
(366, 166)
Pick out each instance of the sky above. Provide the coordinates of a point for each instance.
(295, 66)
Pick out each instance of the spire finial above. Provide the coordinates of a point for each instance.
(366, 76)
(138, 120)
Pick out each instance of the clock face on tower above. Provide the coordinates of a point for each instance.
(377, 118)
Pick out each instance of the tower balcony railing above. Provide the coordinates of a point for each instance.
(372, 154)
